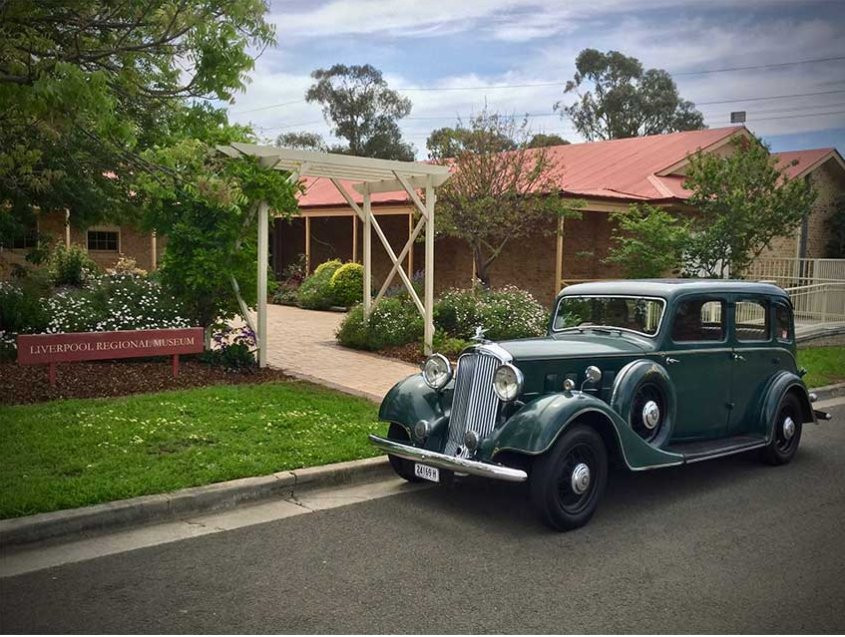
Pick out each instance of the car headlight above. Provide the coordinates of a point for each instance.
(507, 382)
(437, 371)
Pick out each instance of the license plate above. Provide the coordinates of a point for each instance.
(427, 473)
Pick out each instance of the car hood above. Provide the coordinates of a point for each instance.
(575, 345)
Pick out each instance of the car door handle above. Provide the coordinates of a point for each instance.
(672, 361)
(738, 357)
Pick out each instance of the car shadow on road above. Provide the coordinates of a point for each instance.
(631, 496)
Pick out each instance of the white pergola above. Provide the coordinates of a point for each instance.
(369, 176)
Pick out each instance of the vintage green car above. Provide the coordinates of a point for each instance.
(646, 374)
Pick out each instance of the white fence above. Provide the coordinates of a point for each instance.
(789, 273)
(819, 303)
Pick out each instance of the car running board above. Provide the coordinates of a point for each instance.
(708, 449)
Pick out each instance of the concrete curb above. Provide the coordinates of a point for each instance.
(829, 391)
(182, 503)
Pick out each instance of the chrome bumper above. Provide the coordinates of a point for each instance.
(442, 461)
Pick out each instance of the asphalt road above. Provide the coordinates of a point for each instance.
(725, 546)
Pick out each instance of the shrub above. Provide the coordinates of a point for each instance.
(449, 346)
(120, 302)
(315, 292)
(393, 322)
(510, 312)
(347, 284)
(70, 266)
(504, 313)
(22, 311)
(233, 349)
(352, 331)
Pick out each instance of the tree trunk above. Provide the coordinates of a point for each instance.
(482, 271)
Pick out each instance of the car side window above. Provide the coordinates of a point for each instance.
(699, 320)
(783, 323)
(752, 321)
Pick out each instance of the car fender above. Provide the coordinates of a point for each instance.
(625, 387)
(411, 400)
(536, 426)
(779, 385)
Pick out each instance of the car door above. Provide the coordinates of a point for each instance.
(756, 357)
(699, 364)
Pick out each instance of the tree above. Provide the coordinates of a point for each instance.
(363, 110)
(648, 242)
(206, 204)
(446, 142)
(302, 141)
(493, 196)
(835, 226)
(743, 202)
(86, 86)
(545, 139)
(625, 100)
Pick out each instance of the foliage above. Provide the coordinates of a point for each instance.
(449, 142)
(449, 346)
(362, 109)
(86, 86)
(206, 204)
(494, 197)
(302, 141)
(539, 140)
(292, 277)
(22, 311)
(315, 293)
(504, 313)
(625, 100)
(648, 242)
(835, 226)
(119, 302)
(743, 202)
(81, 452)
(233, 348)
(70, 266)
(126, 265)
(347, 284)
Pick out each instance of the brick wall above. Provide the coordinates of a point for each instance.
(528, 263)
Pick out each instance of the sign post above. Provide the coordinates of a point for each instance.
(49, 349)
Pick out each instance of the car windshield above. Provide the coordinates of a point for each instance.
(636, 314)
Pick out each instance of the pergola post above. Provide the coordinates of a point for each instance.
(411, 238)
(261, 299)
(368, 271)
(354, 238)
(307, 245)
(428, 333)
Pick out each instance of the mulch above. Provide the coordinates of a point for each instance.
(20, 384)
(409, 353)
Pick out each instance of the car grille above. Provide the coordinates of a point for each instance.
(474, 403)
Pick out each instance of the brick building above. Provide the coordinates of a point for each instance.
(608, 176)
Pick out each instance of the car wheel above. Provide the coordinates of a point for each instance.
(786, 432)
(568, 481)
(403, 468)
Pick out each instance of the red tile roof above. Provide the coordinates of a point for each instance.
(796, 162)
(620, 169)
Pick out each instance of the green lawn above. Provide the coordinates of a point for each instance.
(825, 365)
(70, 453)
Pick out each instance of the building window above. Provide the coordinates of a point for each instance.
(103, 240)
(23, 238)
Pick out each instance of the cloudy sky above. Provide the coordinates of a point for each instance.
(453, 56)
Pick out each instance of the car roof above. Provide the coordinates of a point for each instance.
(670, 288)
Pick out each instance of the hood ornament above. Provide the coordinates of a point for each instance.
(478, 337)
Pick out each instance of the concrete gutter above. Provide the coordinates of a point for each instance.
(829, 391)
(185, 502)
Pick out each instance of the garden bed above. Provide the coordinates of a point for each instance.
(20, 384)
(71, 453)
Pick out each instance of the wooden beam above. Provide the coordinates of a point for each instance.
(428, 314)
(345, 194)
(411, 193)
(263, 223)
(559, 256)
(368, 270)
(407, 249)
(397, 265)
(307, 245)
(354, 239)
(411, 238)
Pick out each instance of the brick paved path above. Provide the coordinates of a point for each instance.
(302, 343)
